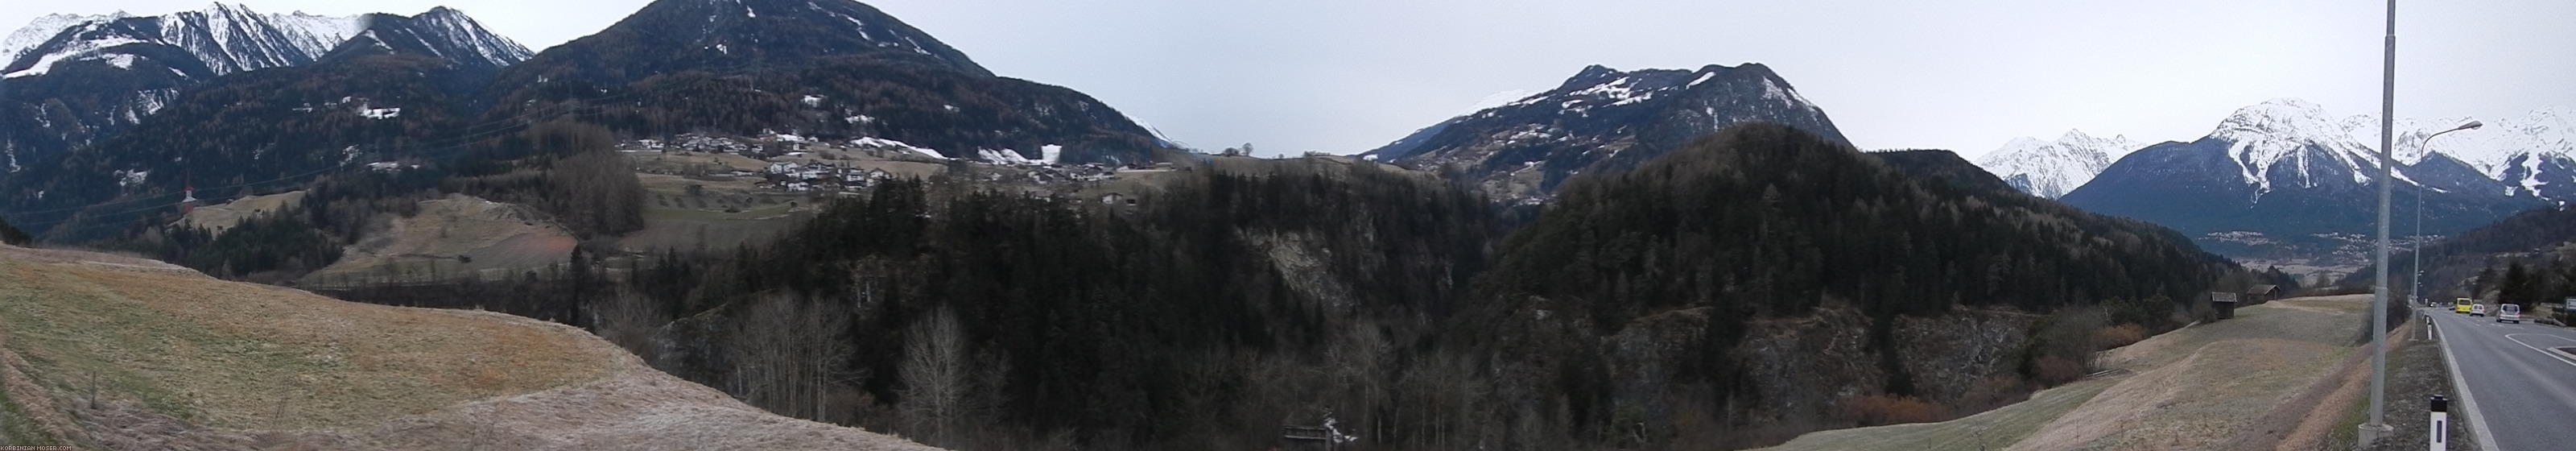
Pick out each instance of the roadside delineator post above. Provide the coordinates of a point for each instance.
(2441, 433)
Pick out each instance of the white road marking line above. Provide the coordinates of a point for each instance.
(2552, 354)
(2468, 407)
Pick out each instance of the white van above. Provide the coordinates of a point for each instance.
(2509, 313)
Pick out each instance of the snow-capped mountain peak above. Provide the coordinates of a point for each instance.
(442, 33)
(1601, 119)
(470, 35)
(2534, 154)
(117, 70)
(42, 29)
(2294, 132)
(226, 38)
(2053, 168)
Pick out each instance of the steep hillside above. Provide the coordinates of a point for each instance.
(252, 132)
(1747, 254)
(1193, 318)
(1601, 120)
(109, 352)
(2542, 239)
(834, 69)
(1947, 167)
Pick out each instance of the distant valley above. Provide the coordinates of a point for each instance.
(2285, 184)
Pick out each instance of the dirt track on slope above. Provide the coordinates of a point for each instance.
(2202, 387)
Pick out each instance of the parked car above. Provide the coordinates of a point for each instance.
(2509, 313)
(2478, 310)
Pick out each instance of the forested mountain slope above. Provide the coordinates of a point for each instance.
(1745, 288)
(428, 94)
(1601, 120)
(1700, 262)
(834, 69)
(250, 133)
(2539, 244)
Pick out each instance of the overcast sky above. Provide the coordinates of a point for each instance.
(1968, 75)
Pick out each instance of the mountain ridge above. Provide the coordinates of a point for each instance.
(2283, 181)
(829, 69)
(1601, 119)
(74, 81)
(2052, 168)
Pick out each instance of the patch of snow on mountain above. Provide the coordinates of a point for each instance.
(120, 60)
(489, 47)
(1788, 97)
(2507, 149)
(126, 178)
(43, 29)
(1008, 156)
(1615, 89)
(232, 38)
(151, 101)
(883, 143)
(46, 63)
(379, 113)
(228, 38)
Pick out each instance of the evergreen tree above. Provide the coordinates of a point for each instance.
(13, 236)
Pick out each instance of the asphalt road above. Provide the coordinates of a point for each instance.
(2523, 392)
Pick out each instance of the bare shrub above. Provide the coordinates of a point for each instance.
(1877, 410)
(632, 321)
(2121, 335)
(2054, 370)
(1994, 391)
(2061, 347)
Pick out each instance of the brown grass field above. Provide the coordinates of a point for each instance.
(111, 352)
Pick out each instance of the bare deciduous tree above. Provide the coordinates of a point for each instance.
(632, 321)
(787, 354)
(934, 372)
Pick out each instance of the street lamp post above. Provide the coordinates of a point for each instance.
(2426, 147)
(2370, 432)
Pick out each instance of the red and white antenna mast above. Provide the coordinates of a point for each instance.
(189, 190)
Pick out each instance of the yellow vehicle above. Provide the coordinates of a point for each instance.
(2463, 305)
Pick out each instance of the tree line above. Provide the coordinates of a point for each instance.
(1228, 304)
